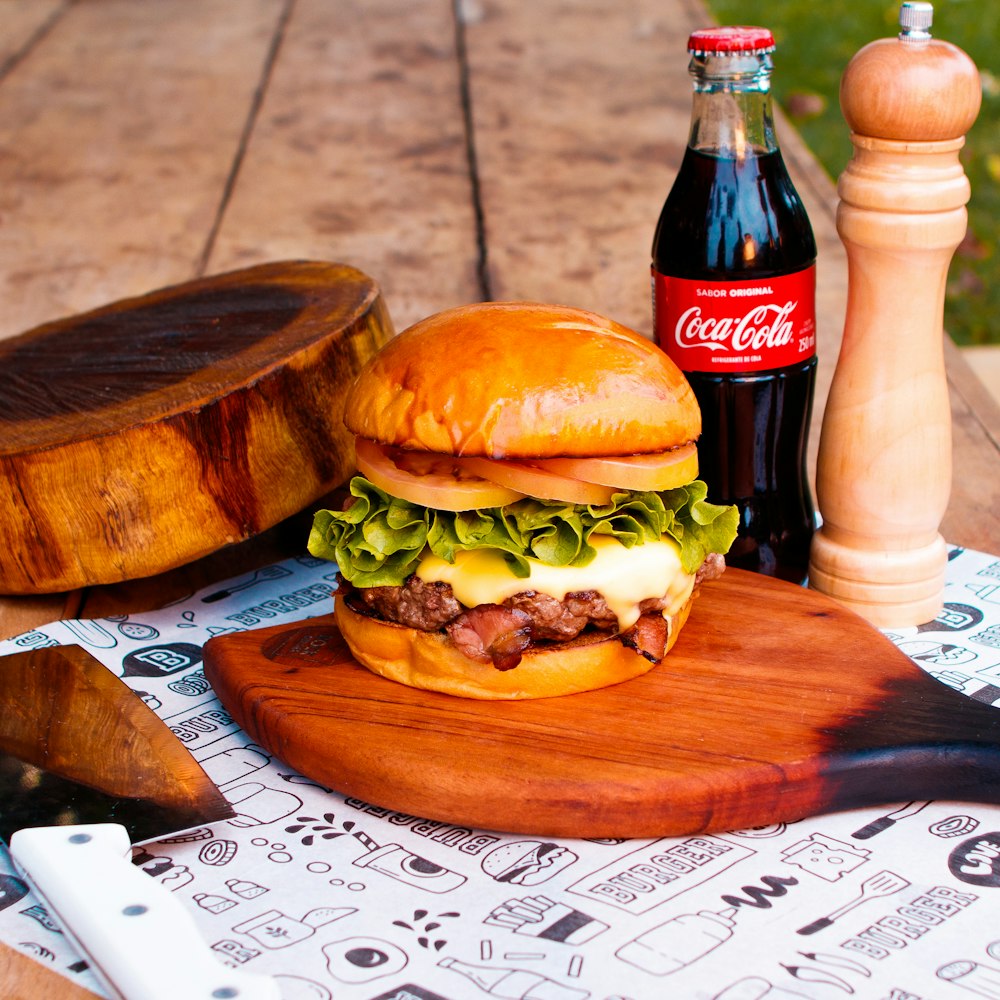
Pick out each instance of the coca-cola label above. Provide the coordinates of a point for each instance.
(736, 326)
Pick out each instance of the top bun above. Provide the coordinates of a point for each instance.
(523, 380)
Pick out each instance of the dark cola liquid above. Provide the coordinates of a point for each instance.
(731, 220)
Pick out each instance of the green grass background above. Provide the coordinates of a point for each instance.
(815, 41)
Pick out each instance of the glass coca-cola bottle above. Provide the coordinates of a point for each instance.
(734, 301)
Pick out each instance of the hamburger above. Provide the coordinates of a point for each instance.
(527, 520)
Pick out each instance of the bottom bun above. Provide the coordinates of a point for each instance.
(430, 660)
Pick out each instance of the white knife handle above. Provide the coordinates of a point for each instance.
(139, 940)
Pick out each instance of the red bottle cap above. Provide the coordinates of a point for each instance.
(730, 41)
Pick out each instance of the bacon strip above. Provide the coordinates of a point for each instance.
(648, 636)
(491, 633)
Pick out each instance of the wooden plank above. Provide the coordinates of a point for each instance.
(24, 978)
(358, 155)
(119, 129)
(577, 132)
(973, 515)
(23, 23)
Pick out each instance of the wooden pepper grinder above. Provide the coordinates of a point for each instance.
(884, 468)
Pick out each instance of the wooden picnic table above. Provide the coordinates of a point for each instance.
(454, 150)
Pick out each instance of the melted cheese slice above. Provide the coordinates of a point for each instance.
(625, 577)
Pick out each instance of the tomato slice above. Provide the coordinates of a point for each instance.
(447, 482)
(661, 471)
(430, 480)
(538, 482)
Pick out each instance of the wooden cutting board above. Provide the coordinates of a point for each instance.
(143, 435)
(775, 704)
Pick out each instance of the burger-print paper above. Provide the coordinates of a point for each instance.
(340, 899)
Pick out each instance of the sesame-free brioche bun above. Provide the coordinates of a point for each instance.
(523, 380)
(429, 660)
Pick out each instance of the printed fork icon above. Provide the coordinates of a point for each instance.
(259, 576)
(883, 884)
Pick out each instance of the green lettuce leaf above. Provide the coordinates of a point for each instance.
(379, 540)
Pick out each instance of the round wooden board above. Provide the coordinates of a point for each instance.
(776, 703)
(138, 437)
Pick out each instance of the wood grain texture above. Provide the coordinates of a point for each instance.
(359, 154)
(973, 515)
(120, 129)
(885, 458)
(24, 978)
(910, 91)
(737, 727)
(25, 23)
(146, 434)
(576, 145)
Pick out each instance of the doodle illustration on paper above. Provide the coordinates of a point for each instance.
(170, 875)
(953, 618)
(218, 852)
(258, 805)
(757, 988)
(878, 886)
(274, 929)
(35, 639)
(977, 861)
(889, 820)
(262, 575)
(42, 915)
(410, 991)
(192, 685)
(774, 887)
(982, 980)
(958, 825)
(543, 918)
(837, 961)
(298, 988)
(213, 902)
(92, 633)
(942, 654)
(161, 660)
(424, 925)
(138, 631)
(503, 981)
(244, 888)
(761, 832)
(12, 890)
(404, 866)
(680, 941)
(38, 950)
(812, 974)
(988, 637)
(825, 857)
(527, 862)
(234, 953)
(362, 959)
(387, 859)
(655, 873)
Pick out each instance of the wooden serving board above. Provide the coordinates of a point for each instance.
(776, 703)
(143, 435)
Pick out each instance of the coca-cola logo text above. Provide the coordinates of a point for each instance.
(765, 326)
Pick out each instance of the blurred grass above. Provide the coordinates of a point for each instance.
(815, 41)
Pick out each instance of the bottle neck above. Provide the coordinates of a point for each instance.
(731, 110)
